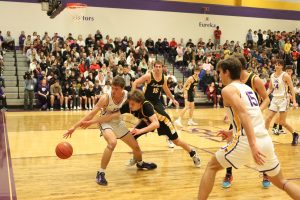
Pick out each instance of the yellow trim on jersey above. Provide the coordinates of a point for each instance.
(164, 119)
(237, 125)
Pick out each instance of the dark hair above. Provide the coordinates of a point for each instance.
(137, 96)
(280, 62)
(289, 67)
(118, 81)
(197, 68)
(242, 59)
(233, 65)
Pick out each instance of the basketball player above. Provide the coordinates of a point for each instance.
(155, 82)
(280, 80)
(277, 127)
(250, 137)
(150, 119)
(258, 87)
(190, 87)
(113, 130)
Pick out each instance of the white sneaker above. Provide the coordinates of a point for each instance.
(79, 107)
(192, 123)
(196, 160)
(177, 122)
(170, 143)
(131, 162)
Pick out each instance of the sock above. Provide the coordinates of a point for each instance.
(275, 125)
(229, 170)
(192, 153)
(140, 162)
(102, 170)
(295, 133)
(280, 127)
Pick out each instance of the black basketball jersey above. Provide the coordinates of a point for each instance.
(153, 89)
(250, 81)
(193, 85)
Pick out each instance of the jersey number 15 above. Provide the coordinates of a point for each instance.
(252, 98)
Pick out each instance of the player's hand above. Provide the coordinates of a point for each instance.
(258, 156)
(85, 124)
(69, 133)
(176, 103)
(295, 105)
(226, 135)
(136, 131)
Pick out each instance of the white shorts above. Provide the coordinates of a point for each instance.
(238, 153)
(117, 126)
(279, 104)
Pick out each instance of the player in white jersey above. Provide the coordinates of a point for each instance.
(278, 87)
(116, 129)
(249, 135)
(277, 127)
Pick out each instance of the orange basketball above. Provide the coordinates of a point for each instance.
(64, 150)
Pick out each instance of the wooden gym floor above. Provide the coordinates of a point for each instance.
(40, 175)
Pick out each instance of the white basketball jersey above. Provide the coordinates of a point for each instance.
(279, 85)
(112, 106)
(252, 106)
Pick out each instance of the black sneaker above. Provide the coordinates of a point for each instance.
(295, 139)
(146, 166)
(100, 178)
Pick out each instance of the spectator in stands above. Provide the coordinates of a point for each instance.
(9, 42)
(43, 95)
(3, 103)
(1, 63)
(1, 40)
(97, 91)
(82, 96)
(22, 39)
(107, 87)
(207, 80)
(98, 36)
(249, 39)
(217, 35)
(33, 65)
(67, 93)
(178, 93)
(159, 47)
(212, 93)
(94, 66)
(56, 94)
(74, 95)
(150, 45)
(255, 37)
(30, 83)
(190, 44)
(209, 44)
(143, 65)
(90, 94)
(219, 94)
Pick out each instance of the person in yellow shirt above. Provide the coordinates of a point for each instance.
(287, 47)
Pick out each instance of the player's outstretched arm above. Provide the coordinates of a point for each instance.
(152, 126)
(100, 120)
(232, 98)
(144, 79)
(102, 103)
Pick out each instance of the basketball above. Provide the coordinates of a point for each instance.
(64, 150)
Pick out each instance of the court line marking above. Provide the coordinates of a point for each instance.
(7, 156)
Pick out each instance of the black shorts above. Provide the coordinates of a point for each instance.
(166, 126)
(191, 97)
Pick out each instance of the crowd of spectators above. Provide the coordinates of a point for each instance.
(71, 72)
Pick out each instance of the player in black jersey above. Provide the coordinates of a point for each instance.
(155, 82)
(258, 87)
(189, 95)
(150, 119)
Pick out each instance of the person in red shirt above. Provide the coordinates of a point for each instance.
(94, 66)
(173, 43)
(295, 55)
(82, 67)
(217, 34)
